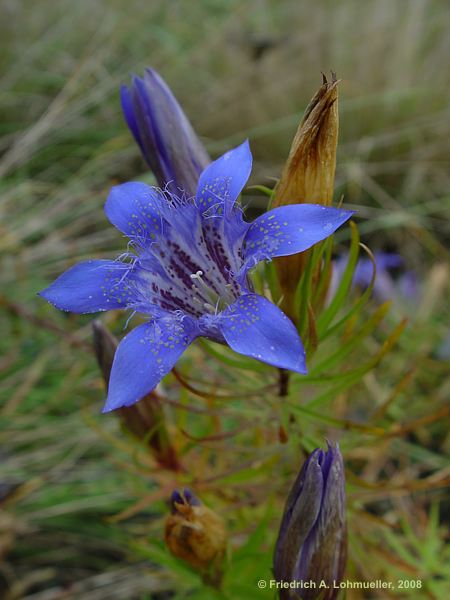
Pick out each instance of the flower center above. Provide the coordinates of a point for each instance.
(215, 302)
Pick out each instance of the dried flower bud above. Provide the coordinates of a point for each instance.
(312, 541)
(166, 138)
(308, 176)
(196, 534)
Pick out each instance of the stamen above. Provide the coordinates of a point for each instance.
(197, 300)
(200, 285)
(202, 291)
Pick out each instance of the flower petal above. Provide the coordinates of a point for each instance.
(134, 208)
(255, 327)
(92, 286)
(126, 101)
(145, 356)
(223, 180)
(290, 229)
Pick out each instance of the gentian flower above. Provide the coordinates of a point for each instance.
(312, 541)
(166, 138)
(384, 288)
(187, 271)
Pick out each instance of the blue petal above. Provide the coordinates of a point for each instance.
(144, 357)
(126, 101)
(223, 180)
(384, 286)
(290, 229)
(388, 260)
(150, 100)
(92, 286)
(255, 327)
(134, 209)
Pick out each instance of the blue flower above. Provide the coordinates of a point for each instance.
(385, 286)
(186, 270)
(163, 133)
(312, 541)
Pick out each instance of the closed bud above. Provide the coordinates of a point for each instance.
(166, 138)
(197, 535)
(308, 175)
(312, 541)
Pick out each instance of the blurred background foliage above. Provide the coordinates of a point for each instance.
(81, 504)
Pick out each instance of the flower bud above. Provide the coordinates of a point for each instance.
(166, 138)
(312, 541)
(308, 176)
(196, 534)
